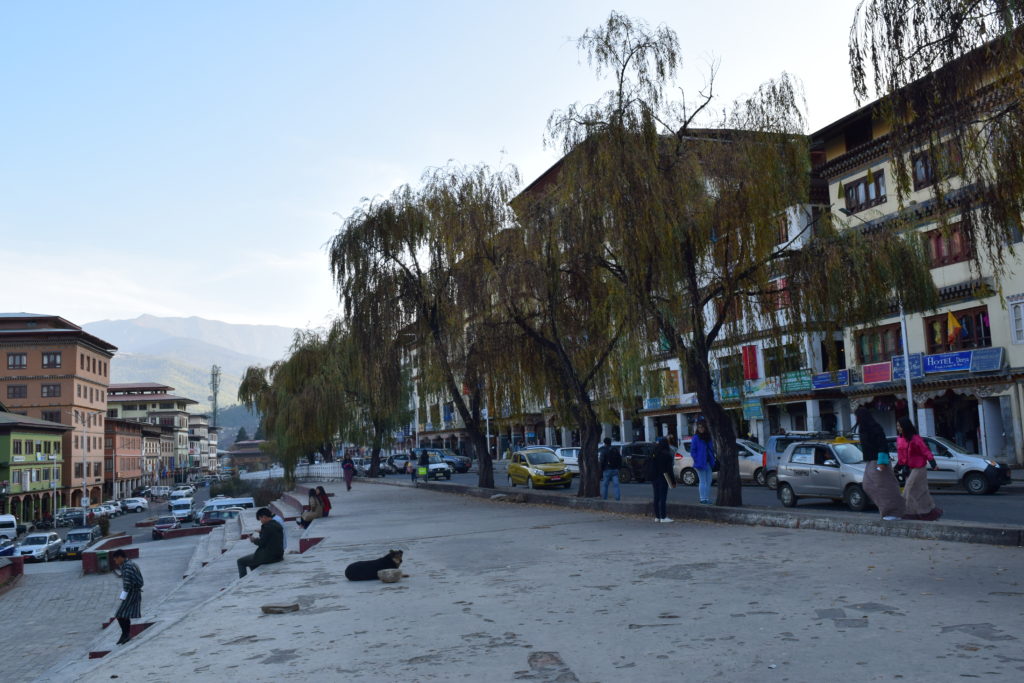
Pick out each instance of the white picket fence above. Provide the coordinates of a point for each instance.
(328, 471)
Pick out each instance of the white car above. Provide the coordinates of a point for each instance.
(113, 506)
(571, 458)
(748, 455)
(135, 504)
(41, 547)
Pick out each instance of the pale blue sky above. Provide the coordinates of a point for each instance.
(187, 158)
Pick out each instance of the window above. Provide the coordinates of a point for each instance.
(1016, 304)
(879, 344)
(56, 447)
(777, 296)
(974, 331)
(17, 361)
(952, 245)
(778, 360)
(51, 359)
(865, 192)
(941, 161)
(17, 391)
(50, 390)
(51, 415)
(731, 369)
(16, 447)
(802, 455)
(78, 470)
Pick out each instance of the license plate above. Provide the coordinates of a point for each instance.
(554, 478)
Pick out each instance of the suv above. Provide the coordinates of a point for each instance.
(134, 504)
(823, 469)
(78, 540)
(634, 456)
(777, 445)
(458, 463)
(40, 547)
(955, 466)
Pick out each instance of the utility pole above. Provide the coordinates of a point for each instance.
(214, 388)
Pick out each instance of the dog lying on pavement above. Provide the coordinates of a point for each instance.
(366, 570)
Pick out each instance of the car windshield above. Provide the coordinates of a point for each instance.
(435, 459)
(448, 453)
(570, 452)
(78, 537)
(951, 445)
(34, 540)
(542, 458)
(181, 506)
(752, 445)
(849, 453)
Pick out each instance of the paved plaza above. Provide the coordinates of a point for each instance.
(500, 591)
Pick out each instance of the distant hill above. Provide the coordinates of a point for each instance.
(180, 352)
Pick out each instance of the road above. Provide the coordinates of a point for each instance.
(1005, 506)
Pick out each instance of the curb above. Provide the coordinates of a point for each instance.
(954, 532)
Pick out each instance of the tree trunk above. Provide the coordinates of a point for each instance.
(590, 469)
(484, 465)
(730, 491)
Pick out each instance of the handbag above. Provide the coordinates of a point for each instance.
(714, 464)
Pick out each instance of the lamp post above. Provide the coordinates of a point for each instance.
(903, 338)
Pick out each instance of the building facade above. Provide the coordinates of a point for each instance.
(154, 403)
(31, 465)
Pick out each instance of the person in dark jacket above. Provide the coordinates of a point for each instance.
(702, 450)
(879, 481)
(660, 473)
(269, 546)
(131, 593)
(424, 465)
(611, 462)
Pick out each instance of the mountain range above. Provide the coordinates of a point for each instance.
(180, 352)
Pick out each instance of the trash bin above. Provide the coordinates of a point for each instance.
(102, 561)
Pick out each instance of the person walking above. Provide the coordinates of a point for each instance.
(702, 450)
(610, 460)
(131, 593)
(659, 471)
(314, 511)
(325, 500)
(410, 468)
(913, 452)
(424, 466)
(269, 544)
(348, 469)
(879, 481)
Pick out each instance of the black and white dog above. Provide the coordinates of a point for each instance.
(366, 570)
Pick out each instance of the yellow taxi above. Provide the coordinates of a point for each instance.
(538, 467)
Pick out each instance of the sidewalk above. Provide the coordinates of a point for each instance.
(505, 592)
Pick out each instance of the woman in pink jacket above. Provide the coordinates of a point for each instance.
(913, 452)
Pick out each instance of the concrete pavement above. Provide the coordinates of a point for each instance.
(507, 592)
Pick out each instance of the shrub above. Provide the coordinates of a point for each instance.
(104, 524)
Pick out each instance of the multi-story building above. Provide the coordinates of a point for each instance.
(31, 462)
(123, 453)
(249, 456)
(154, 403)
(199, 444)
(53, 370)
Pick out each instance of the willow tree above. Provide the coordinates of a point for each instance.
(415, 265)
(948, 75)
(688, 217)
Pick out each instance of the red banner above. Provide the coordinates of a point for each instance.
(877, 372)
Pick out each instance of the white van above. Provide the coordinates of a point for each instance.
(221, 502)
(8, 527)
(182, 509)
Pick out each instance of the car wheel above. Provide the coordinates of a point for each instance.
(771, 480)
(625, 475)
(855, 498)
(511, 484)
(759, 476)
(976, 484)
(447, 477)
(786, 495)
(529, 483)
(138, 509)
(689, 476)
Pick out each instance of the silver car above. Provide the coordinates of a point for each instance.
(955, 467)
(823, 469)
(749, 454)
(41, 547)
(571, 458)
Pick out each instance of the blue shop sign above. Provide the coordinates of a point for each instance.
(826, 380)
(652, 404)
(916, 367)
(753, 409)
(948, 362)
(987, 360)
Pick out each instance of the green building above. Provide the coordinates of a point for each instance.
(31, 459)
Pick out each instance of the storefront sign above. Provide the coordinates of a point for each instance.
(987, 360)
(948, 362)
(797, 381)
(916, 367)
(730, 393)
(877, 372)
(652, 404)
(688, 399)
(827, 380)
(753, 409)
(766, 386)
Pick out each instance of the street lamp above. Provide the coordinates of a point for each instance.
(903, 336)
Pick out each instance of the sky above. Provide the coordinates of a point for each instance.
(195, 157)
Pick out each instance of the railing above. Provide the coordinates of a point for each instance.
(323, 472)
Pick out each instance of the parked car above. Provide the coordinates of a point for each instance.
(164, 524)
(749, 454)
(114, 506)
(362, 466)
(74, 517)
(538, 467)
(823, 469)
(458, 463)
(217, 517)
(7, 547)
(956, 467)
(183, 509)
(135, 504)
(571, 457)
(777, 445)
(8, 527)
(41, 547)
(397, 462)
(99, 511)
(634, 457)
(78, 540)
